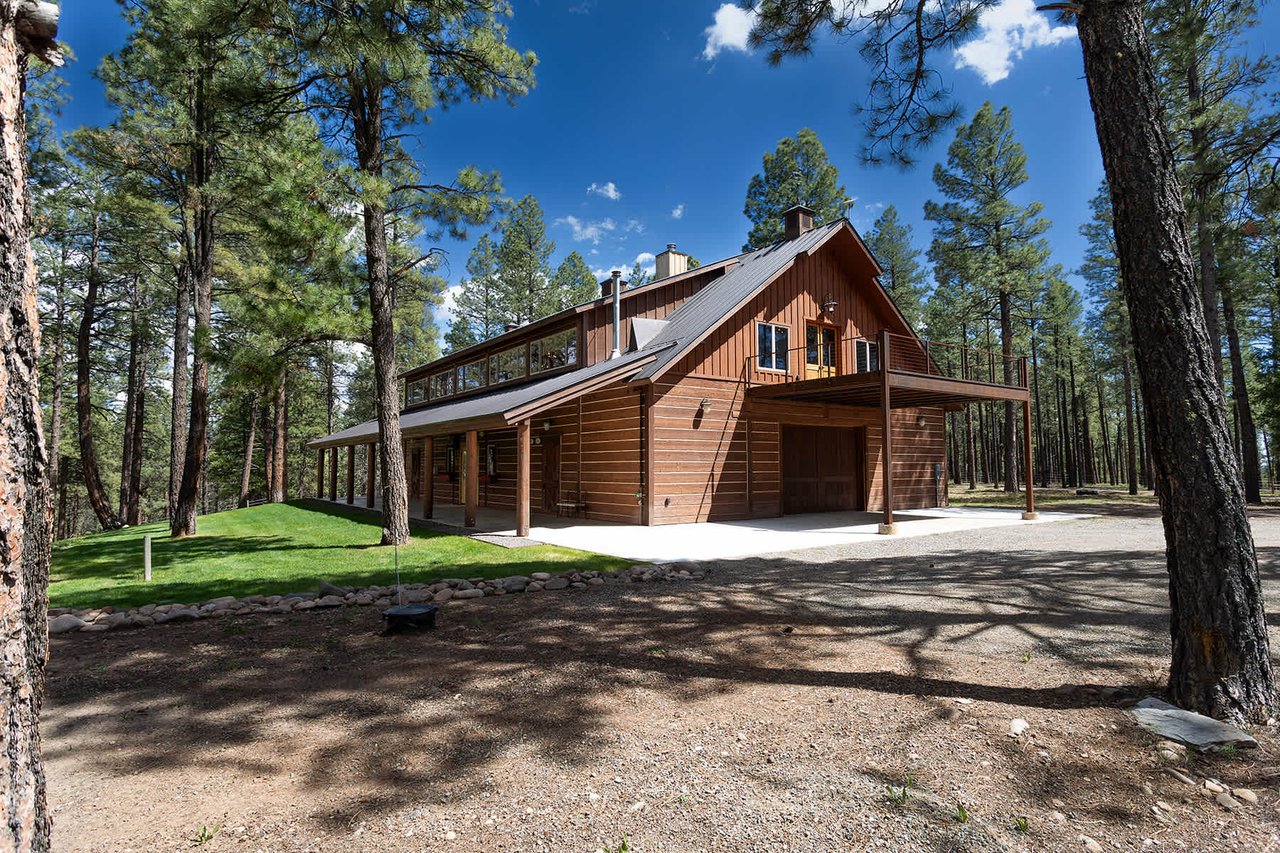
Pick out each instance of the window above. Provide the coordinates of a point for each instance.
(771, 349)
(442, 385)
(868, 356)
(471, 376)
(415, 392)
(508, 365)
(820, 348)
(554, 351)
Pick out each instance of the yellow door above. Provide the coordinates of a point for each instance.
(819, 351)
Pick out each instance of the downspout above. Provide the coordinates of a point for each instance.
(617, 314)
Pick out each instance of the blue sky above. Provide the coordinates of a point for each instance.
(648, 120)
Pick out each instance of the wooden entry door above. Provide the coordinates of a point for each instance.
(820, 351)
(822, 469)
(550, 472)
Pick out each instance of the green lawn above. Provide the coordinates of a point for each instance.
(279, 548)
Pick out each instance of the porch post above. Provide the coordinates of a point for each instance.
(333, 473)
(886, 436)
(522, 478)
(428, 482)
(319, 473)
(1030, 514)
(473, 479)
(351, 473)
(370, 473)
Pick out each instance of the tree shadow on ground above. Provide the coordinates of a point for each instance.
(370, 724)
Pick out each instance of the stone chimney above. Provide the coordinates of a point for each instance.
(798, 220)
(670, 263)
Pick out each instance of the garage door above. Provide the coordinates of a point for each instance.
(822, 469)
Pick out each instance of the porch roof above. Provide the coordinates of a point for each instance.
(907, 390)
(500, 408)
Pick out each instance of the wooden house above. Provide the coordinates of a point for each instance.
(780, 381)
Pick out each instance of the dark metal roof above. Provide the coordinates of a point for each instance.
(502, 407)
(702, 312)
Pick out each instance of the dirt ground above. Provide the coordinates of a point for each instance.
(780, 704)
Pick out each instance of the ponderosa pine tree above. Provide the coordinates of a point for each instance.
(1221, 658)
(903, 278)
(24, 489)
(573, 282)
(478, 312)
(524, 264)
(798, 171)
(1001, 239)
(372, 68)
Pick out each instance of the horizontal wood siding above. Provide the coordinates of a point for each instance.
(606, 469)
(701, 458)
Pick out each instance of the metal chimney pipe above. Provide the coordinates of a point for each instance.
(617, 314)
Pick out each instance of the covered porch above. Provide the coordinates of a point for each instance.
(900, 372)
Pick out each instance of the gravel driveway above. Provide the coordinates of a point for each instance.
(781, 704)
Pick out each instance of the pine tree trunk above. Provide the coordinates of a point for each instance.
(1106, 435)
(1248, 430)
(97, 493)
(190, 490)
(366, 110)
(57, 470)
(24, 489)
(1010, 440)
(279, 442)
(133, 498)
(1042, 446)
(1126, 369)
(246, 470)
(181, 382)
(1221, 660)
(131, 456)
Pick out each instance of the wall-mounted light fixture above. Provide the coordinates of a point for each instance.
(705, 405)
(546, 425)
(829, 304)
(920, 421)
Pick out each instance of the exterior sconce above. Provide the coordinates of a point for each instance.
(546, 426)
(920, 421)
(829, 304)
(705, 405)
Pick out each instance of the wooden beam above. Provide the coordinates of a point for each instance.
(370, 473)
(886, 439)
(473, 478)
(333, 473)
(351, 473)
(428, 481)
(320, 472)
(522, 478)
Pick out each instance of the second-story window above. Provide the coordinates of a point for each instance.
(771, 346)
(442, 385)
(508, 365)
(554, 351)
(416, 392)
(868, 355)
(471, 376)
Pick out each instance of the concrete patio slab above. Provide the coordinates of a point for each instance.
(728, 540)
(738, 539)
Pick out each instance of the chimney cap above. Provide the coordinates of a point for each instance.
(671, 247)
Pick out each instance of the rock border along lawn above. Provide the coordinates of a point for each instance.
(64, 620)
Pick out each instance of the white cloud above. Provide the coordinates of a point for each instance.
(633, 226)
(587, 231)
(445, 310)
(677, 212)
(608, 190)
(1005, 32)
(644, 259)
(729, 31)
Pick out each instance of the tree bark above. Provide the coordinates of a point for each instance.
(1106, 435)
(246, 470)
(279, 441)
(24, 489)
(134, 418)
(366, 112)
(1007, 372)
(178, 407)
(57, 473)
(190, 490)
(1248, 429)
(84, 401)
(1221, 659)
(1131, 448)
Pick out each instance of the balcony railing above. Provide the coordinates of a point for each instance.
(903, 353)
